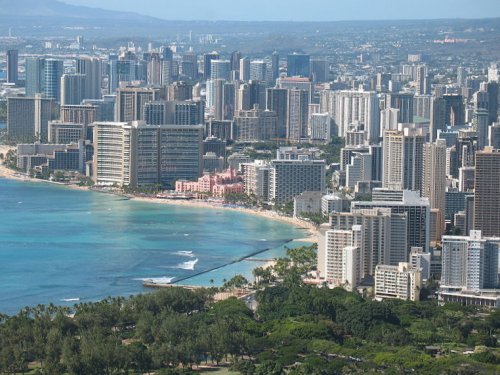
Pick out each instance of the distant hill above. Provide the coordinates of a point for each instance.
(59, 9)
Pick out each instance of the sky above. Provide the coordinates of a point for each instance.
(301, 10)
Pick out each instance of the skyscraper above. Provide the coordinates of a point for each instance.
(189, 65)
(403, 159)
(73, 88)
(207, 63)
(455, 109)
(137, 154)
(319, 70)
(258, 70)
(438, 117)
(277, 101)
(91, 67)
(403, 102)
(470, 262)
(487, 193)
(52, 79)
(275, 65)
(416, 208)
(298, 65)
(12, 66)
(349, 106)
(434, 180)
(255, 125)
(298, 114)
(220, 69)
(130, 103)
(34, 75)
(235, 61)
(245, 69)
(28, 118)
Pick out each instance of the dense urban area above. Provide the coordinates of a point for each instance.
(382, 137)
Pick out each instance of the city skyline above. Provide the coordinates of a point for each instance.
(294, 10)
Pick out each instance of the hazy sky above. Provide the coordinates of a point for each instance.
(302, 10)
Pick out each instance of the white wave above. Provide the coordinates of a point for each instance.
(263, 240)
(186, 235)
(70, 299)
(157, 280)
(183, 253)
(189, 265)
(19, 202)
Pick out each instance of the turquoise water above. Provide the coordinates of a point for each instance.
(60, 245)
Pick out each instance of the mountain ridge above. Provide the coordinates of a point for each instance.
(56, 8)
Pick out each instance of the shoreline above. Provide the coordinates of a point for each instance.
(312, 230)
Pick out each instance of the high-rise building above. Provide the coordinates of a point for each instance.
(319, 70)
(136, 154)
(130, 103)
(43, 76)
(80, 114)
(12, 66)
(438, 117)
(180, 91)
(256, 179)
(207, 63)
(155, 113)
(189, 66)
(120, 72)
(487, 193)
(481, 124)
(470, 262)
(416, 208)
(105, 107)
(91, 67)
(289, 178)
(434, 180)
(422, 106)
(403, 159)
(320, 127)
(398, 282)
(494, 135)
(245, 69)
(225, 101)
(298, 65)
(35, 67)
(277, 101)
(383, 235)
(73, 87)
(258, 70)
(220, 69)
(298, 115)
(359, 169)
(339, 257)
(275, 66)
(235, 61)
(454, 109)
(423, 80)
(28, 118)
(187, 112)
(52, 79)
(65, 132)
(493, 101)
(349, 106)
(255, 125)
(403, 102)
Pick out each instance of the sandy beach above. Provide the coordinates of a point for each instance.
(311, 228)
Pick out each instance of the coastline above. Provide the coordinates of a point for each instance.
(312, 230)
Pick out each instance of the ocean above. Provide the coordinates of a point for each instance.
(62, 246)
